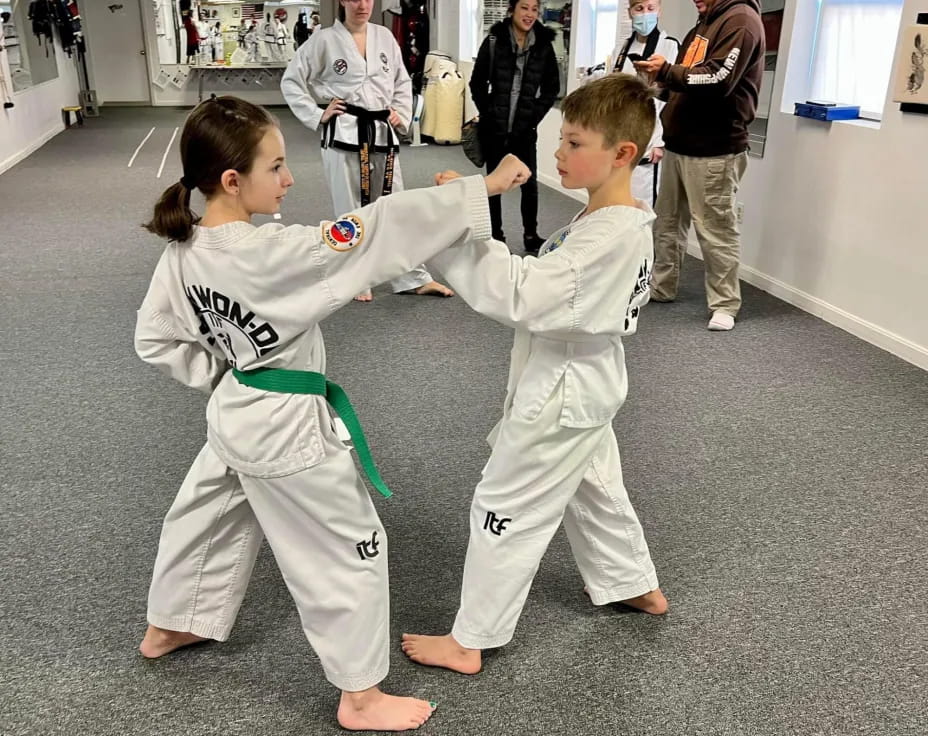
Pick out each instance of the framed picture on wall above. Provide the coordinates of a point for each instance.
(161, 79)
(911, 66)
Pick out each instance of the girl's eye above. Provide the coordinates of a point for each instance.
(574, 144)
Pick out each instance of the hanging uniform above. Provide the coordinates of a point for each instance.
(646, 176)
(273, 465)
(359, 148)
(554, 454)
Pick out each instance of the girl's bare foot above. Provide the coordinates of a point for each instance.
(158, 642)
(442, 651)
(433, 288)
(654, 602)
(365, 296)
(374, 710)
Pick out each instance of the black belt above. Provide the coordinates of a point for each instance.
(367, 139)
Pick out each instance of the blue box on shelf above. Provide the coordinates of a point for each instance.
(818, 110)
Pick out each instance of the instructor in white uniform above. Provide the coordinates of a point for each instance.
(647, 40)
(350, 79)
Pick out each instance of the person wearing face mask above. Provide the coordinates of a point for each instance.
(648, 39)
(514, 83)
(711, 91)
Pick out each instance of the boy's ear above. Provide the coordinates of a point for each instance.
(230, 181)
(626, 155)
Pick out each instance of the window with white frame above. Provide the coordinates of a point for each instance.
(595, 22)
(470, 24)
(853, 55)
(606, 14)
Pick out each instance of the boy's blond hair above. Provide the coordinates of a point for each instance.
(620, 106)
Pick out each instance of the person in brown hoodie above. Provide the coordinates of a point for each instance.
(711, 94)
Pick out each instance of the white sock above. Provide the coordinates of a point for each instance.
(721, 321)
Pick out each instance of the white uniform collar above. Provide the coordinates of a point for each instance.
(221, 235)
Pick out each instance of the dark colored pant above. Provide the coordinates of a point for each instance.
(525, 147)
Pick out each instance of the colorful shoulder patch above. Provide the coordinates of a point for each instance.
(553, 245)
(345, 233)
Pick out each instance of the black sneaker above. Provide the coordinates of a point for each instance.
(532, 243)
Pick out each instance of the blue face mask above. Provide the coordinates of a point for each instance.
(644, 23)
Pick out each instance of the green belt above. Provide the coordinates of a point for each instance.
(281, 381)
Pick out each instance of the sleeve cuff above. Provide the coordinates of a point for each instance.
(478, 206)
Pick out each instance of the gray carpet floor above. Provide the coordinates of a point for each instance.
(779, 471)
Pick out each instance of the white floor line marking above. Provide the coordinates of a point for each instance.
(166, 150)
(144, 140)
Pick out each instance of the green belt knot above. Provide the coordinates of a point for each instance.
(282, 381)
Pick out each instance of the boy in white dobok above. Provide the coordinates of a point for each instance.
(555, 456)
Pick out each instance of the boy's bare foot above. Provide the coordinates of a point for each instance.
(365, 296)
(654, 602)
(433, 288)
(158, 642)
(442, 651)
(374, 710)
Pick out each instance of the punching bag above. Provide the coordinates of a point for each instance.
(415, 39)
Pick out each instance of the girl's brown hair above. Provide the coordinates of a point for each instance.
(221, 133)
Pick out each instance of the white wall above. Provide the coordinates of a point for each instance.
(677, 17)
(444, 27)
(36, 117)
(834, 213)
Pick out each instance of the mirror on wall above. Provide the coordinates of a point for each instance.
(233, 34)
(31, 58)
(772, 17)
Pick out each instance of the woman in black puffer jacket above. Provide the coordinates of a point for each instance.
(513, 91)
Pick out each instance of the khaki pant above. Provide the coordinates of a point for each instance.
(702, 191)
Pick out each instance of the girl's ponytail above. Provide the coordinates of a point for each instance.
(173, 219)
(221, 133)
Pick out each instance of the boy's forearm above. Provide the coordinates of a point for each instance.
(526, 293)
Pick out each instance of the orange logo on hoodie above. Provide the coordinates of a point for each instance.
(696, 53)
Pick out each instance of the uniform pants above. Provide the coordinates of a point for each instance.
(342, 169)
(539, 474)
(317, 522)
(525, 147)
(702, 190)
